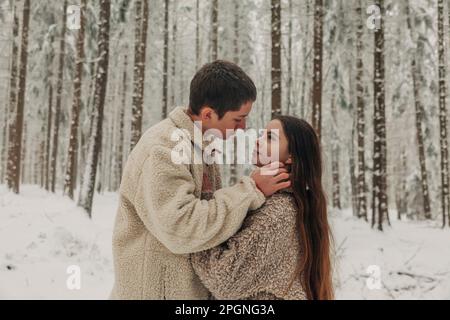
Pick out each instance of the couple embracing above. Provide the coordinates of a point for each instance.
(179, 235)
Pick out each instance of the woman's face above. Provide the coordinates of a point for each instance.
(272, 139)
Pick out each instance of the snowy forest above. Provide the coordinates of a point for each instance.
(82, 80)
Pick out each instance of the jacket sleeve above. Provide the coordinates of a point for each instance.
(183, 223)
(236, 268)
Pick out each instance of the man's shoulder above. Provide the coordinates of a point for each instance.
(158, 134)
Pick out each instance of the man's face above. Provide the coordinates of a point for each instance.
(232, 120)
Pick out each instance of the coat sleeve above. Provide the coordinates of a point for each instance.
(183, 223)
(236, 268)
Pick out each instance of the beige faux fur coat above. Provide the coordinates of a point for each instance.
(161, 218)
(259, 261)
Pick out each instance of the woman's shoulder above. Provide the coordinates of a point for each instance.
(280, 208)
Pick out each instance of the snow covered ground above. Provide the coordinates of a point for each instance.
(42, 235)
(413, 259)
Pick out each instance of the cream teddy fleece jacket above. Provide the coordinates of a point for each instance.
(161, 218)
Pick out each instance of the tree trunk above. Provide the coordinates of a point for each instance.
(379, 176)
(234, 166)
(71, 174)
(214, 29)
(23, 154)
(289, 62)
(49, 134)
(361, 178)
(335, 146)
(59, 91)
(305, 62)
(119, 161)
(87, 188)
(166, 60)
(353, 178)
(416, 76)
(141, 26)
(174, 56)
(276, 57)
(197, 35)
(317, 69)
(4, 148)
(11, 157)
(443, 115)
(16, 127)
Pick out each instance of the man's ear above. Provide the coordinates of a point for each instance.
(206, 113)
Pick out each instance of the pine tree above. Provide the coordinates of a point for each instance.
(443, 115)
(289, 61)
(90, 173)
(234, 166)
(276, 57)
(120, 142)
(379, 200)
(317, 67)
(174, 55)
(214, 30)
(49, 120)
(16, 128)
(197, 35)
(361, 187)
(71, 174)
(59, 92)
(335, 144)
(141, 26)
(416, 76)
(10, 172)
(305, 60)
(165, 60)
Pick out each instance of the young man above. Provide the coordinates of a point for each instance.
(168, 210)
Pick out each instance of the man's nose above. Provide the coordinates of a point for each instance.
(242, 125)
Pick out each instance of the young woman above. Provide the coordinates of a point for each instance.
(282, 250)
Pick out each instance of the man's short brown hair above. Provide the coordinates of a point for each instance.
(221, 85)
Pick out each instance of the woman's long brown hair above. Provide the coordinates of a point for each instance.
(315, 239)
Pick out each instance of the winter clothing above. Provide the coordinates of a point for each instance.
(161, 217)
(260, 260)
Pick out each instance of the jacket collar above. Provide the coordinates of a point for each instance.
(181, 119)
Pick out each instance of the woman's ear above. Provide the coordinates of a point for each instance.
(289, 160)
